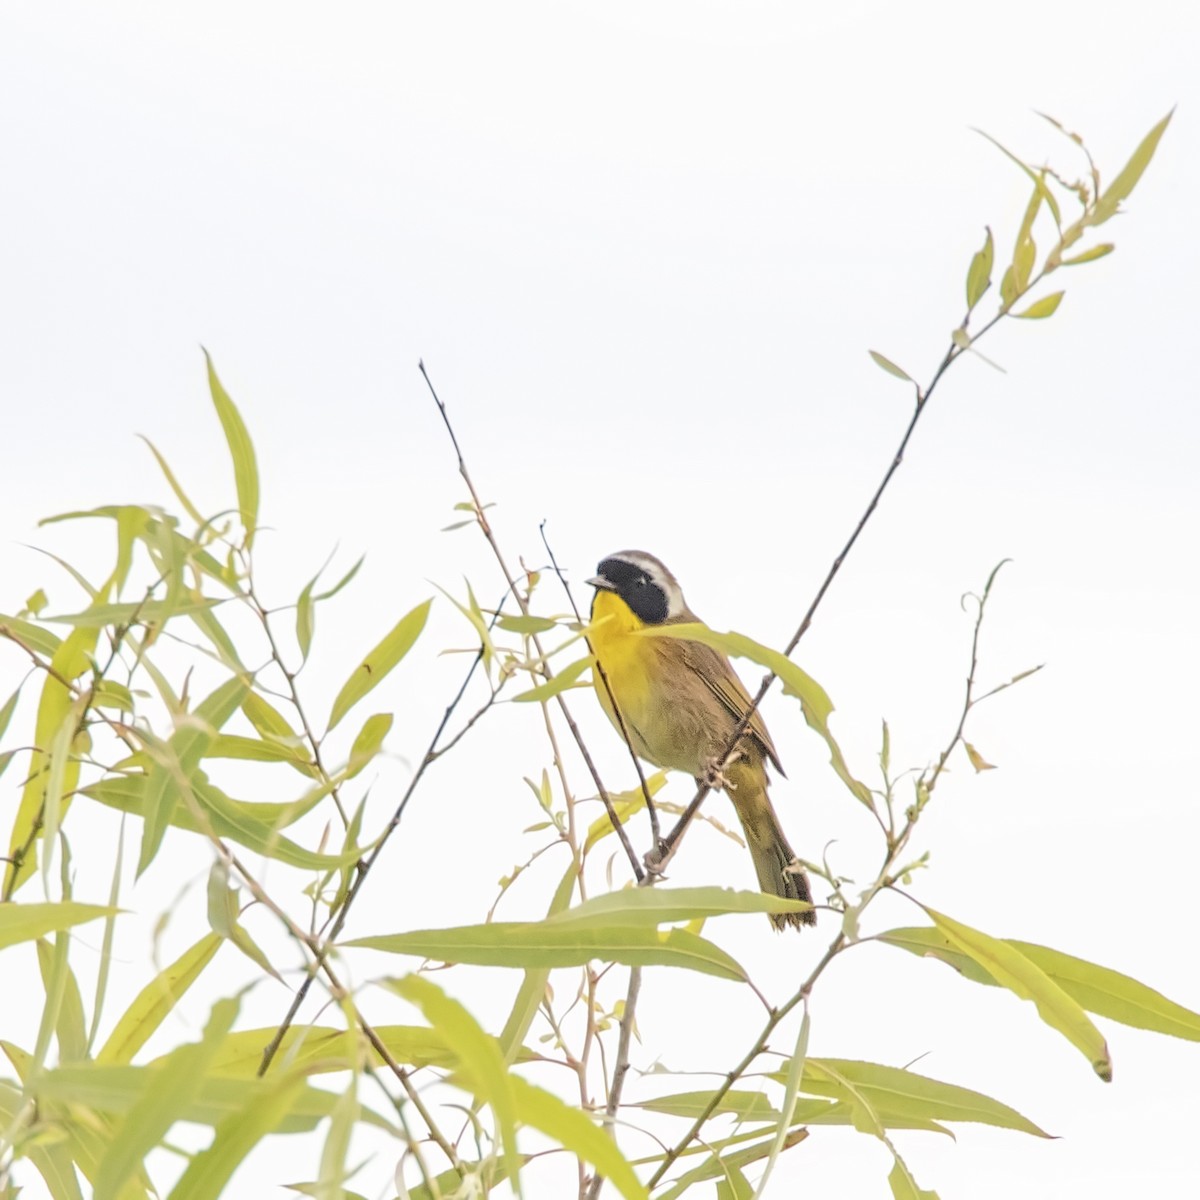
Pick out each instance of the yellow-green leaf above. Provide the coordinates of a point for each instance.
(1013, 970)
(1100, 251)
(977, 760)
(654, 906)
(375, 667)
(162, 1102)
(890, 367)
(480, 1063)
(241, 451)
(559, 683)
(156, 1000)
(25, 922)
(1098, 989)
(369, 742)
(1039, 309)
(554, 943)
(1130, 174)
(979, 276)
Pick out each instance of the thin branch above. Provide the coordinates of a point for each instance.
(486, 529)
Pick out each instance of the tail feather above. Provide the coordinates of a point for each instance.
(779, 871)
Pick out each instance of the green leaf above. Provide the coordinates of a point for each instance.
(144, 612)
(25, 922)
(559, 683)
(156, 1000)
(527, 625)
(241, 451)
(890, 367)
(653, 906)
(814, 700)
(263, 1112)
(1100, 990)
(1121, 187)
(480, 1062)
(575, 1132)
(232, 745)
(28, 634)
(375, 667)
(1100, 251)
(1039, 309)
(267, 719)
(555, 943)
(742, 1106)
(318, 1049)
(899, 1095)
(176, 762)
(180, 495)
(979, 276)
(1011, 969)
(69, 1027)
(904, 1186)
(306, 618)
(369, 742)
(57, 699)
(533, 987)
(162, 1102)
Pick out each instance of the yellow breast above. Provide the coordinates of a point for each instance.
(628, 663)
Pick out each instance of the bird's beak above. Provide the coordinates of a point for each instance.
(598, 581)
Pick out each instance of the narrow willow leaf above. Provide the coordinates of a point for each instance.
(553, 943)
(163, 1100)
(533, 987)
(904, 1186)
(306, 619)
(6, 713)
(742, 1106)
(653, 906)
(1121, 187)
(791, 1087)
(144, 612)
(559, 683)
(241, 451)
(106, 954)
(480, 1061)
(625, 805)
(979, 277)
(155, 1001)
(1099, 990)
(232, 745)
(267, 719)
(1040, 309)
(263, 1112)
(69, 1027)
(890, 367)
(341, 583)
(1100, 251)
(718, 1164)
(375, 667)
(25, 922)
(573, 1130)
(180, 494)
(1011, 969)
(26, 633)
(108, 693)
(69, 662)
(814, 700)
(337, 1145)
(527, 625)
(977, 760)
(369, 742)
(116, 1089)
(899, 1095)
(177, 761)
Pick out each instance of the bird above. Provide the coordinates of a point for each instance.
(679, 702)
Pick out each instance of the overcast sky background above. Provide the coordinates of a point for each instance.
(643, 251)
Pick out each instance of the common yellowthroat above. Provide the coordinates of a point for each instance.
(680, 701)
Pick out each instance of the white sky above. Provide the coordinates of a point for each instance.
(643, 251)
